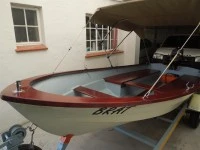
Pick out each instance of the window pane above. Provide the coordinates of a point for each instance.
(33, 34)
(87, 34)
(105, 27)
(105, 45)
(99, 26)
(20, 34)
(18, 16)
(102, 46)
(31, 17)
(99, 47)
(99, 32)
(93, 45)
(88, 46)
(105, 33)
(93, 34)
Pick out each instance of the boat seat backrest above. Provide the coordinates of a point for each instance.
(141, 85)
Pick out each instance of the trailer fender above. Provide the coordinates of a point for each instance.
(195, 103)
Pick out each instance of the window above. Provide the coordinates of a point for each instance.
(27, 27)
(95, 34)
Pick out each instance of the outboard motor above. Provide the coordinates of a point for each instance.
(178, 59)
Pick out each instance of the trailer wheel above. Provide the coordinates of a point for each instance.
(194, 119)
(17, 129)
(28, 147)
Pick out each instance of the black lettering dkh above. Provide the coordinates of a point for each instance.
(99, 111)
(111, 111)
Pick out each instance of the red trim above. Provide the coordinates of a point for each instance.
(27, 48)
(35, 97)
(102, 53)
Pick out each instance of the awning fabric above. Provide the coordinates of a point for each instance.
(138, 15)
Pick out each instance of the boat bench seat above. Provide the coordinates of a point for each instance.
(125, 77)
(91, 92)
(179, 83)
(141, 85)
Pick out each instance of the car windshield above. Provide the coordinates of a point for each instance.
(178, 41)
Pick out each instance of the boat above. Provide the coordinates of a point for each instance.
(82, 101)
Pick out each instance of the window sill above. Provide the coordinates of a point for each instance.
(28, 48)
(101, 53)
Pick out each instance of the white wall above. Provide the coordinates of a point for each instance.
(63, 21)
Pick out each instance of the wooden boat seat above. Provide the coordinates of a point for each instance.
(179, 83)
(91, 92)
(125, 77)
(141, 85)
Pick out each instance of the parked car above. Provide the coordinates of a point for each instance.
(190, 55)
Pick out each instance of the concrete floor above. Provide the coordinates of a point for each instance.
(183, 138)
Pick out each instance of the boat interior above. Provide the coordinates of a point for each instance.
(135, 83)
(120, 85)
(119, 82)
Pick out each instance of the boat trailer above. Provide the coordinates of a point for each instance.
(14, 137)
(156, 145)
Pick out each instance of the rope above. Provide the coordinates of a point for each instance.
(178, 52)
(108, 55)
(75, 40)
(101, 43)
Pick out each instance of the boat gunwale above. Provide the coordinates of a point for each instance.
(35, 97)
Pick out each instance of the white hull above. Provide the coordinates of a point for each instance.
(65, 120)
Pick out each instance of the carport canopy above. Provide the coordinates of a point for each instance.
(138, 15)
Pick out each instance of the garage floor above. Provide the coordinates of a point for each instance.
(184, 138)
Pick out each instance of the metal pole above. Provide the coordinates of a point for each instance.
(178, 52)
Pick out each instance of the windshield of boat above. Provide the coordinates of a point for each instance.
(178, 41)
